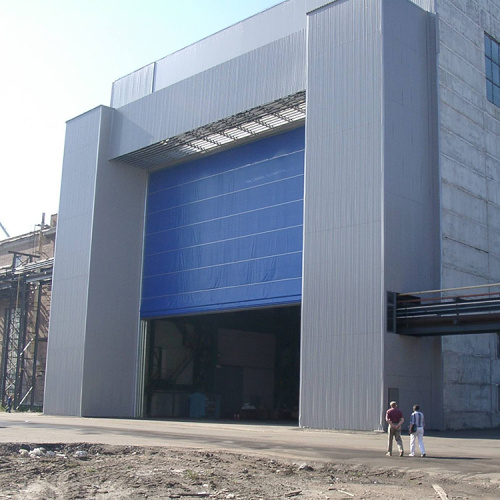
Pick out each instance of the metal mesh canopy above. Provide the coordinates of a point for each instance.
(221, 133)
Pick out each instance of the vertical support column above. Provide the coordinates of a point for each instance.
(35, 348)
(94, 324)
(71, 275)
(141, 369)
(411, 198)
(5, 346)
(343, 299)
(21, 343)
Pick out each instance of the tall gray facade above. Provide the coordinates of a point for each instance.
(401, 182)
(469, 212)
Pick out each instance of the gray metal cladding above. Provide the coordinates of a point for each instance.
(246, 36)
(411, 173)
(250, 34)
(264, 28)
(411, 196)
(427, 5)
(92, 351)
(341, 364)
(256, 78)
(65, 357)
(348, 71)
(132, 87)
(112, 336)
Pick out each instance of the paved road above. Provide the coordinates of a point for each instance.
(471, 452)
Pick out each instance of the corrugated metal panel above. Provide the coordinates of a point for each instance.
(225, 232)
(254, 79)
(262, 29)
(91, 362)
(132, 87)
(411, 180)
(275, 23)
(342, 364)
(66, 346)
(427, 5)
(410, 152)
(112, 337)
(267, 27)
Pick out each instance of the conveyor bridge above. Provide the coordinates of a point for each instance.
(451, 311)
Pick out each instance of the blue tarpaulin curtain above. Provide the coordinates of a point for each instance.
(225, 231)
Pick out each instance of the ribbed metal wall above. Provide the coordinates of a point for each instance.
(246, 36)
(427, 5)
(411, 198)
(68, 318)
(259, 77)
(265, 28)
(102, 204)
(93, 335)
(132, 87)
(112, 336)
(342, 305)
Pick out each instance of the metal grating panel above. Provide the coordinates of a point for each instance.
(253, 122)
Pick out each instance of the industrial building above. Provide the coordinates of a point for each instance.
(248, 229)
(26, 263)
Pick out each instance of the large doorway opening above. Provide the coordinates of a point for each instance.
(242, 365)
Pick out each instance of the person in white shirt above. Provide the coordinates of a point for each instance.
(417, 418)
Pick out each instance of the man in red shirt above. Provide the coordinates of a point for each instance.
(395, 419)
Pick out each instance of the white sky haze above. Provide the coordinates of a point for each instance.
(59, 59)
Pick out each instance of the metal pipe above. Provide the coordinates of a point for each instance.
(4, 230)
(450, 289)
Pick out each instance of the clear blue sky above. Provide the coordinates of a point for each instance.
(59, 59)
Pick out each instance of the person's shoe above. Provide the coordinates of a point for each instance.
(401, 453)
(389, 454)
(411, 455)
(423, 455)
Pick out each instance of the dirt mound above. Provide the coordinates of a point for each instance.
(53, 471)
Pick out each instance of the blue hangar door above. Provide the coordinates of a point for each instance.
(224, 232)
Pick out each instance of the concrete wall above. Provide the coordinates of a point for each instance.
(470, 212)
(91, 365)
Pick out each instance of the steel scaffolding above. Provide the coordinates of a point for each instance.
(25, 288)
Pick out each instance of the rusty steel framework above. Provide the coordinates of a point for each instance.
(25, 290)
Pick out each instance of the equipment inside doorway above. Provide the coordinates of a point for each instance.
(235, 365)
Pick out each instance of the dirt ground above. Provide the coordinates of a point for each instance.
(59, 471)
